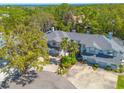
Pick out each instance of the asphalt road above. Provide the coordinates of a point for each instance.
(46, 80)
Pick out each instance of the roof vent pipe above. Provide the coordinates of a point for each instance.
(110, 35)
(88, 32)
(53, 29)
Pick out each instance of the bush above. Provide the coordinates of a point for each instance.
(108, 68)
(62, 70)
(116, 70)
(121, 68)
(95, 66)
(68, 61)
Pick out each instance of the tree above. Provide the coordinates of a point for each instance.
(23, 47)
(73, 47)
(70, 45)
(64, 44)
(43, 21)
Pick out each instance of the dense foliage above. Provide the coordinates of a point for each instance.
(25, 42)
(23, 47)
(100, 19)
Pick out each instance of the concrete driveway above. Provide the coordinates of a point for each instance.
(50, 68)
(83, 76)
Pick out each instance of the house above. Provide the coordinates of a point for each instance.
(78, 18)
(3, 62)
(94, 48)
(5, 15)
(2, 41)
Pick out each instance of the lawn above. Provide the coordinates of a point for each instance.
(120, 82)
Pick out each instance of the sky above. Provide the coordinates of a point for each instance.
(57, 1)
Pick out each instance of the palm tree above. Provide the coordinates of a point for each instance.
(70, 45)
(64, 44)
(73, 47)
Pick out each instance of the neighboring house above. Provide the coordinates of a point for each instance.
(5, 15)
(3, 75)
(78, 19)
(2, 41)
(94, 48)
(3, 63)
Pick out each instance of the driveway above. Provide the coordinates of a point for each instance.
(46, 80)
(84, 77)
(50, 68)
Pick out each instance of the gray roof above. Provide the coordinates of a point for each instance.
(90, 40)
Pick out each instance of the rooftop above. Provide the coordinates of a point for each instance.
(90, 40)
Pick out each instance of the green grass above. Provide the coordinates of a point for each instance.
(120, 82)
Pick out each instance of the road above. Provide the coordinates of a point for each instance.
(46, 80)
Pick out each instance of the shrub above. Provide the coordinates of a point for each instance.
(108, 68)
(68, 61)
(116, 70)
(95, 66)
(62, 70)
(121, 68)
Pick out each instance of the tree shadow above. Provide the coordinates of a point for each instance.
(20, 79)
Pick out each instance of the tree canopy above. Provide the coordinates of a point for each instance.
(96, 18)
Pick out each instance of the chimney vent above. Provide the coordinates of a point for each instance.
(73, 30)
(88, 32)
(110, 35)
(53, 29)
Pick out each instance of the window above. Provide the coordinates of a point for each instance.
(54, 43)
(100, 51)
(110, 53)
(96, 51)
(92, 50)
(87, 50)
